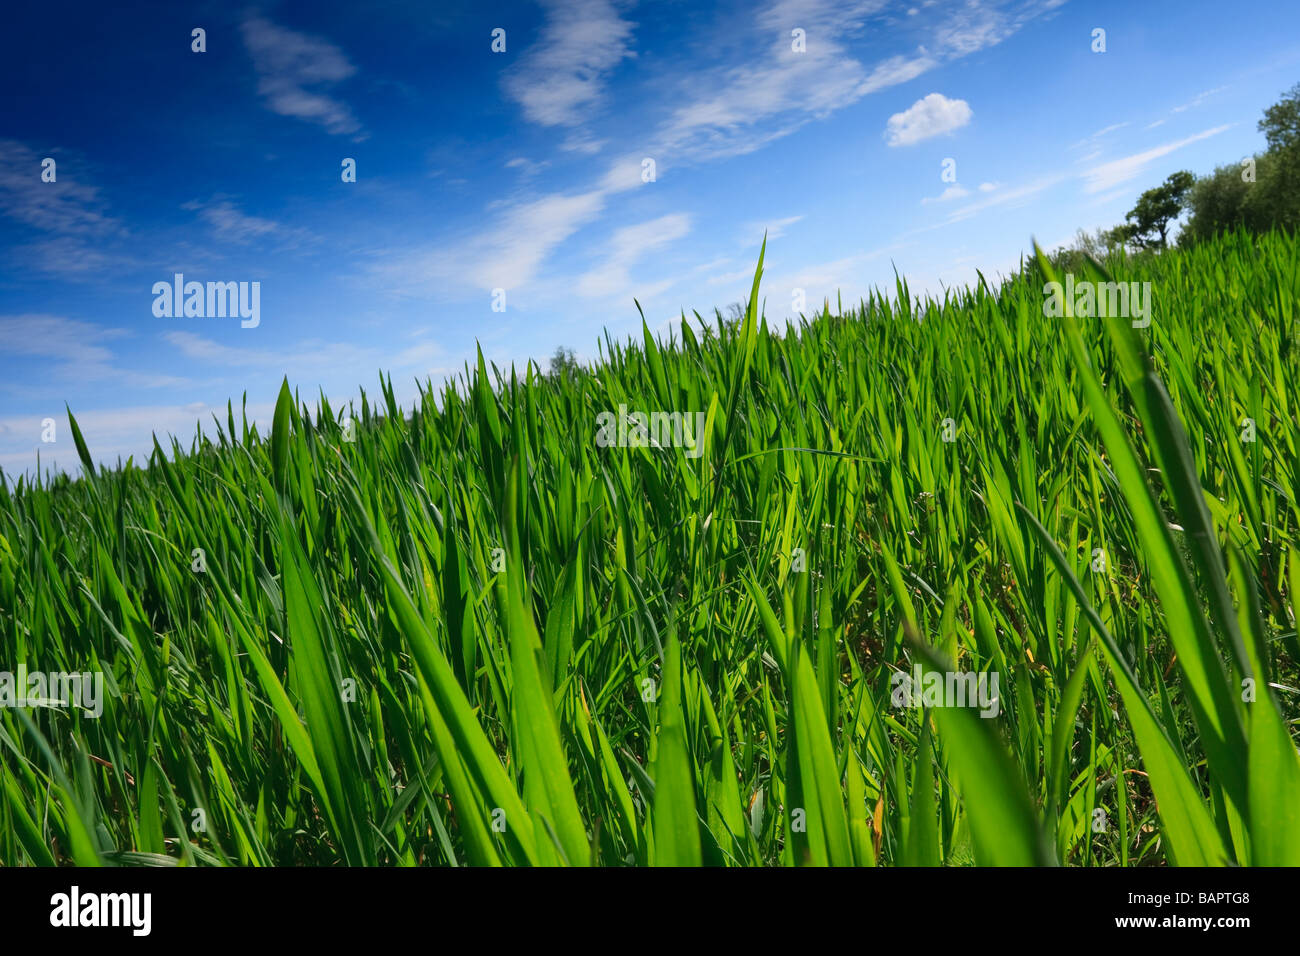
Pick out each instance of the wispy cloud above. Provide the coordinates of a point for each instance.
(1191, 104)
(505, 256)
(528, 168)
(73, 350)
(1092, 138)
(1108, 175)
(1197, 100)
(733, 107)
(78, 231)
(561, 77)
(895, 71)
(68, 206)
(738, 107)
(781, 83)
(998, 196)
(752, 232)
(296, 71)
(304, 356)
(70, 258)
(231, 224)
(626, 247)
(817, 281)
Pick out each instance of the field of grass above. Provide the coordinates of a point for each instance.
(470, 634)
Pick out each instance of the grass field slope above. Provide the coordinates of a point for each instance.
(499, 630)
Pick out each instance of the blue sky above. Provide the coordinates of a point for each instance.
(523, 171)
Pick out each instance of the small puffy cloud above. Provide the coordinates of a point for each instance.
(928, 117)
(954, 191)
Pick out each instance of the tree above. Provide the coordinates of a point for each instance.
(1259, 193)
(1233, 196)
(1281, 129)
(563, 363)
(1155, 209)
(1281, 122)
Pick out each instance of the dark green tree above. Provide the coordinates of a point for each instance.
(1259, 193)
(1281, 187)
(1147, 223)
(1237, 195)
(1281, 122)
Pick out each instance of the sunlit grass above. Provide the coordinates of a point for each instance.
(473, 635)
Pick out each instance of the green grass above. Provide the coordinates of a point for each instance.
(474, 636)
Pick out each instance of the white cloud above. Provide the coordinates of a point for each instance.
(625, 173)
(930, 116)
(562, 76)
(988, 187)
(1197, 100)
(288, 64)
(896, 70)
(71, 258)
(751, 233)
(68, 206)
(52, 336)
(732, 107)
(528, 168)
(231, 224)
(1091, 139)
(736, 108)
(728, 278)
(627, 246)
(303, 361)
(75, 351)
(971, 29)
(1111, 174)
(955, 191)
(110, 433)
(723, 108)
(581, 141)
(1000, 197)
(819, 281)
(506, 256)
